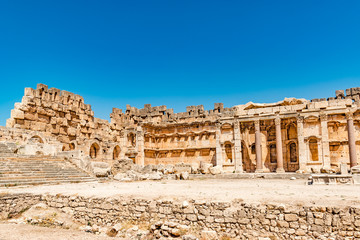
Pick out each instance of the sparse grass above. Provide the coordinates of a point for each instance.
(16, 215)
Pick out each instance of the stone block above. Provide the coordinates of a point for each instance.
(291, 217)
(17, 114)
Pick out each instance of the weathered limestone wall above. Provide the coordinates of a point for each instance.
(65, 117)
(289, 135)
(235, 219)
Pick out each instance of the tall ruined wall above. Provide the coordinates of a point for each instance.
(60, 114)
(312, 134)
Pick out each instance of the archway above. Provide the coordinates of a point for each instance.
(292, 163)
(94, 150)
(116, 152)
(228, 152)
(131, 140)
(35, 139)
(273, 157)
(72, 146)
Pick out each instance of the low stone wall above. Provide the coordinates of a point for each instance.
(233, 219)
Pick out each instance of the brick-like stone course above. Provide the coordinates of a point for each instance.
(235, 219)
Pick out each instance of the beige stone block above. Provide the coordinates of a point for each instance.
(38, 126)
(10, 123)
(17, 114)
(63, 130)
(29, 92)
(55, 129)
(28, 101)
(291, 217)
(71, 131)
(68, 116)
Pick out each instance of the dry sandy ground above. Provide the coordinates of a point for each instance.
(277, 191)
(10, 231)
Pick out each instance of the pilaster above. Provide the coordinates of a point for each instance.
(325, 140)
(259, 165)
(237, 148)
(301, 143)
(219, 151)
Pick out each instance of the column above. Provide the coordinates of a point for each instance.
(351, 139)
(301, 143)
(237, 148)
(140, 146)
(325, 141)
(259, 167)
(123, 145)
(279, 153)
(219, 156)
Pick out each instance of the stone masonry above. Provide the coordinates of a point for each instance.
(286, 136)
(232, 219)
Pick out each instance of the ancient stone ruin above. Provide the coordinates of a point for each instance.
(52, 136)
(293, 135)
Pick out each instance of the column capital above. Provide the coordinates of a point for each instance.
(218, 125)
(349, 115)
(323, 117)
(236, 124)
(277, 121)
(300, 119)
(257, 121)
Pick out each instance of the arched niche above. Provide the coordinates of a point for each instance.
(94, 150)
(314, 149)
(35, 139)
(116, 152)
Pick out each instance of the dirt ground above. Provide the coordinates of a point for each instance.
(278, 191)
(10, 231)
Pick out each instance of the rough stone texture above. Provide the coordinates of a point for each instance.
(235, 219)
(313, 134)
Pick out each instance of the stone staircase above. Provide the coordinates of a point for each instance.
(39, 170)
(7, 149)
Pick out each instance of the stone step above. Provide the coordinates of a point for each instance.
(39, 170)
(44, 178)
(9, 176)
(44, 181)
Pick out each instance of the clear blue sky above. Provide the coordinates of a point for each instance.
(178, 52)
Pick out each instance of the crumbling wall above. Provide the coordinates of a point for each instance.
(62, 115)
(232, 219)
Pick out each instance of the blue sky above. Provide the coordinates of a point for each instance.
(178, 53)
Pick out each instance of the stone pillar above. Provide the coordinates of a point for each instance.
(237, 148)
(301, 143)
(279, 153)
(140, 146)
(123, 145)
(259, 165)
(351, 139)
(325, 141)
(219, 151)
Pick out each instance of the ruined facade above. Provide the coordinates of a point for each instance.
(287, 136)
